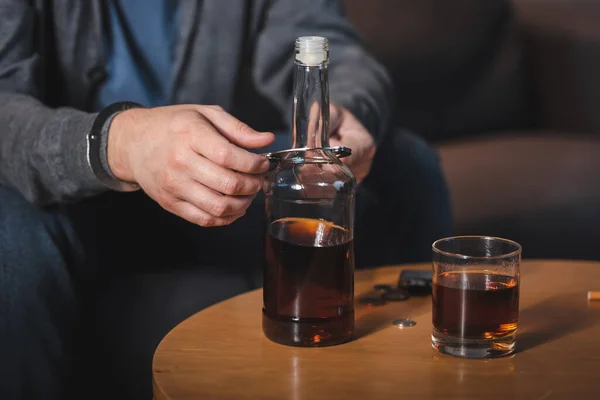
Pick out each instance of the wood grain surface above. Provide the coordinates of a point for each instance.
(221, 353)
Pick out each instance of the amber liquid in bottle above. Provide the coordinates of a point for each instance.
(309, 283)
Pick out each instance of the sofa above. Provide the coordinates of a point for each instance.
(505, 92)
(508, 92)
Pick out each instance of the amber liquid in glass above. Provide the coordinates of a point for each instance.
(475, 305)
(308, 283)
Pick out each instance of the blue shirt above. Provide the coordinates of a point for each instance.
(139, 43)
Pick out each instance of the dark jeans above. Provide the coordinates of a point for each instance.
(88, 290)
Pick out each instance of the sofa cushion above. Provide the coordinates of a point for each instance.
(537, 187)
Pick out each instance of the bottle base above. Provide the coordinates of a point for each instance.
(309, 332)
(474, 348)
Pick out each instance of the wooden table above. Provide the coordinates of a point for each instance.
(221, 353)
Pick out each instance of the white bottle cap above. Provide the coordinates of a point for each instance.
(312, 50)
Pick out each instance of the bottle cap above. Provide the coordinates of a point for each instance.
(312, 50)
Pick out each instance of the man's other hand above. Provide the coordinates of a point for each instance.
(346, 130)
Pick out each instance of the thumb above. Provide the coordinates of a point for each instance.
(236, 131)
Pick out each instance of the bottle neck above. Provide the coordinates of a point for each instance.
(310, 120)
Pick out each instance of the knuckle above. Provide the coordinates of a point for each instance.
(166, 202)
(204, 220)
(222, 221)
(223, 155)
(250, 163)
(225, 220)
(219, 208)
(255, 184)
(243, 127)
(177, 160)
(184, 121)
(230, 185)
(167, 181)
(233, 218)
(260, 164)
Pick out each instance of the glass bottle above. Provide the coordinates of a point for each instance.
(309, 272)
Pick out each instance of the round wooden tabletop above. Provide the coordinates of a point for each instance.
(221, 353)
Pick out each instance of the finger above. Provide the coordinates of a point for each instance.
(197, 216)
(212, 202)
(335, 118)
(213, 146)
(236, 131)
(224, 180)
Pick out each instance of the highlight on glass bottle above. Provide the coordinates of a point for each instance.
(309, 271)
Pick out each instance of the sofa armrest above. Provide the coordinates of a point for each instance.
(539, 188)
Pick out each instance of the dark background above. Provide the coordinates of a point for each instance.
(509, 93)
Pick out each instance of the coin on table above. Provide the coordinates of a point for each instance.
(404, 323)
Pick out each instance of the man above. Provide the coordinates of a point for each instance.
(119, 149)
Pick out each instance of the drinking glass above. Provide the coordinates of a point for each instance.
(475, 296)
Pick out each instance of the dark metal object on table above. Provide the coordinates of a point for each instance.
(383, 287)
(372, 298)
(416, 282)
(396, 295)
(382, 294)
(416, 287)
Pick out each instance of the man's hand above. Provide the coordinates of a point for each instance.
(346, 130)
(190, 159)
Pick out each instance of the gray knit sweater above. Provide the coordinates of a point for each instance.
(234, 53)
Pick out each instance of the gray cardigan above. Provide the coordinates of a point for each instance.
(234, 53)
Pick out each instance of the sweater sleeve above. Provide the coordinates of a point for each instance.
(43, 151)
